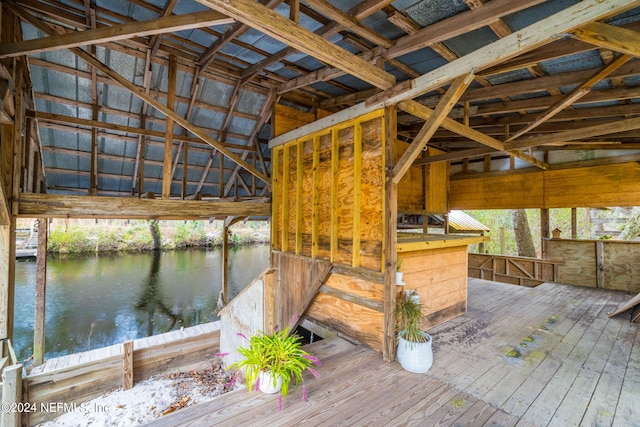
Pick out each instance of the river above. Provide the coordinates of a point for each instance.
(98, 300)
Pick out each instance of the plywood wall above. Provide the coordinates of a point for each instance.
(328, 194)
(599, 186)
(352, 306)
(424, 188)
(286, 118)
(440, 277)
(607, 264)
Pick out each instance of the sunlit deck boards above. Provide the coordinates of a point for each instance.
(74, 359)
(578, 368)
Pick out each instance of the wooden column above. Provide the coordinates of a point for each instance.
(544, 229)
(185, 171)
(168, 142)
(225, 262)
(127, 364)
(574, 223)
(41, 289)
(391, 238)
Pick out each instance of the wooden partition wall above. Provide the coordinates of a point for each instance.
(328, 194)
(328, 205)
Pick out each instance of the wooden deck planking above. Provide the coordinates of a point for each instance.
(627, 410)
(571, 409)
(582, 363)
(551, 351)
(605, 396)
(542, 409)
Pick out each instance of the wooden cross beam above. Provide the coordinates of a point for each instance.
(113, 33)
(293, 34)
(430, 126)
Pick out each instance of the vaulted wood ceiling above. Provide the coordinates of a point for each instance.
(551, 83)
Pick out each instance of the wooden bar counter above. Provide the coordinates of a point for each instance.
(436, 265)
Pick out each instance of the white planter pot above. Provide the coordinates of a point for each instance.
(399, 280)
(415, 356)
(266, 383)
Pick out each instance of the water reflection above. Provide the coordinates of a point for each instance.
(95, 301)
(151, 299)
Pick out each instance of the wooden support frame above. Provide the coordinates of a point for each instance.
(335, 162)
(390, 239)
(11, 394)
(357, 194)
(168, 143)
(41, 292)
(299, 195)
(445, 105)
(315, 214)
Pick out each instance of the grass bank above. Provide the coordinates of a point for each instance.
(82, 236)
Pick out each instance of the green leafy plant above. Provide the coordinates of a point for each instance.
(280, 353)
(409, 318)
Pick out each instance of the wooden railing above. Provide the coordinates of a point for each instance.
(515, 270)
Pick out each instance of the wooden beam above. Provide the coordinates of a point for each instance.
(315, 210)
(357, 195)
(170, 24)
(168, 143)
(41, 289)
(146, 97)
(348, 22)
(58, 206)
(335, 181)
(577, 134)
(610, 37)
(285, 199)
(390, 238)
(421, 111)
(457, 25)
(521, 41)
(277, 26)
(430, 126)
(299, 192)
(573, 96)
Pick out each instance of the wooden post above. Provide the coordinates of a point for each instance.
(574, 223)
(225, 261)
(599, 264)
(391, 237)
(127, 365)
(41, 289)
(11, 393)
(168, 142)
(7, 277)
(544, 229)
(503, 242)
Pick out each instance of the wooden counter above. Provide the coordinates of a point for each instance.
(436, 265)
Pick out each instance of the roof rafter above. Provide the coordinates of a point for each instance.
(114, 33)
(277, 26)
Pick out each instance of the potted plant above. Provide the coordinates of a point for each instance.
(414, 345)
(272, 361)
(399, 273)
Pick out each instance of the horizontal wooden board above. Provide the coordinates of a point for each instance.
(360, 323)
(521, 191)
(599, 186)
(356, 286)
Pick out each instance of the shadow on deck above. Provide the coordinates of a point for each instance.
(521, 356)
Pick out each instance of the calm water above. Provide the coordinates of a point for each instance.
(99, 300)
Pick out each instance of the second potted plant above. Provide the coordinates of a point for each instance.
(414, 345)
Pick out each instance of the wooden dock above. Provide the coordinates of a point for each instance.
(520, 357)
